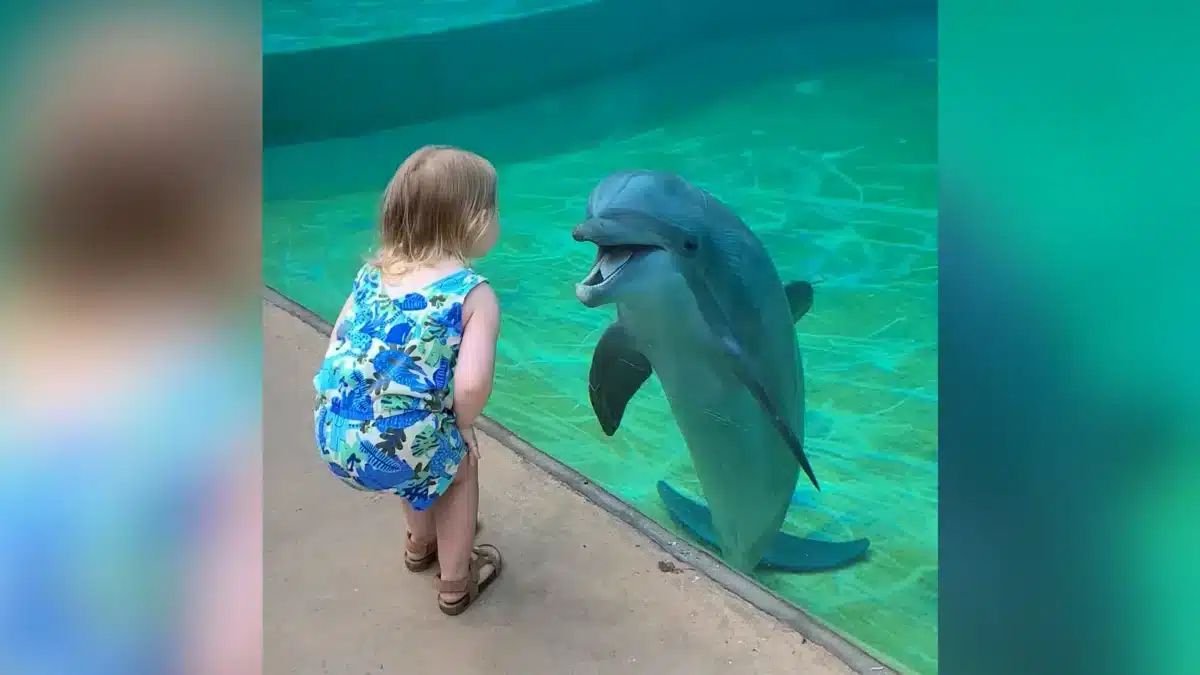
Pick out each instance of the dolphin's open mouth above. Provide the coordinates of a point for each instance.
(610, 260)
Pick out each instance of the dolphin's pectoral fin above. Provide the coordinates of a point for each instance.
(787, 553)
(738, 361)
(618, 371)
(800, 298)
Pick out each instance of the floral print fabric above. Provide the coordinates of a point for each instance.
(384, 416)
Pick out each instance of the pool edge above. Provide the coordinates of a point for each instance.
(808, 626)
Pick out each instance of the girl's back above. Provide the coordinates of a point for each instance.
(395, 347)
(390, 407)
(385, 390)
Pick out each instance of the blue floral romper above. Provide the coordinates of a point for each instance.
(384, 419)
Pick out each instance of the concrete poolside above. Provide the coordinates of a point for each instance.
(581, 593)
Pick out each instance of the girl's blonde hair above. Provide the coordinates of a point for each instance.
(440, 202)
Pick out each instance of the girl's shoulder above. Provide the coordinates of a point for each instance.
(365, 290)
(368, 273)
(458, 283)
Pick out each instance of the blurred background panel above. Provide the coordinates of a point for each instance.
(1068, 331)
(130, 470)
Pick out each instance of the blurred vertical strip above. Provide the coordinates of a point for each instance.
(130, 444)
(1070, 369)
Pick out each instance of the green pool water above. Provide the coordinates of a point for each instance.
(837, 174)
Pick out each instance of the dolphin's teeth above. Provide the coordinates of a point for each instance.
(614, 260)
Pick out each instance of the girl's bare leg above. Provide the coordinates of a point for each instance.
(456, 513)
(421, 526)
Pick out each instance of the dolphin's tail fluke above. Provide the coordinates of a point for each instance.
(787, 553)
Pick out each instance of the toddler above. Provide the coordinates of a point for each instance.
(410, 364)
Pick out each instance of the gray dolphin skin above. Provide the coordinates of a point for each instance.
(700, 303)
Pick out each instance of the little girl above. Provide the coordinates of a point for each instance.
(410, 364)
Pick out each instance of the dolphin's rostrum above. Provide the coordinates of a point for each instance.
(700, 304)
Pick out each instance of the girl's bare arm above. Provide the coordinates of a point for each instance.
(476, 354)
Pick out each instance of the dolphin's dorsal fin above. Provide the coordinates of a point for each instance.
(800, 298)
(618, 371)
(737, 359)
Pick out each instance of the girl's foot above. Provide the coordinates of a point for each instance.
(456, 595)
(419, 556)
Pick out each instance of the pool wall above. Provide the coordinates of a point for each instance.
(577, 116)
(351, 90)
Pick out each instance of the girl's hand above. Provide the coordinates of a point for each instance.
(468, 434)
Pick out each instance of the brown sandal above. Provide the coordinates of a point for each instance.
(485, 557)
(420, 558)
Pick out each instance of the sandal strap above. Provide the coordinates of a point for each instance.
(480, 557)
(467, 586)
(419, 552)
(485, 554)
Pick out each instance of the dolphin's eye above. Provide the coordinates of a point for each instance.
(691, 245)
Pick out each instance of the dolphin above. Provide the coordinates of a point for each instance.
(700, 303)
